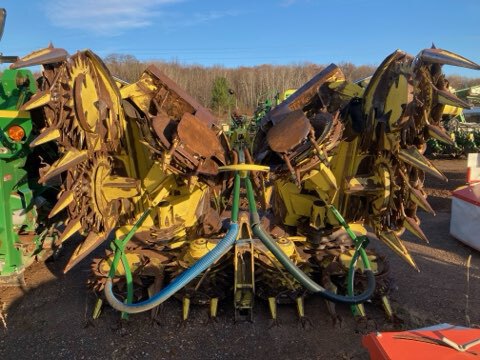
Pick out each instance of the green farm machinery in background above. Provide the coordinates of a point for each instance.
(25, 232)
(462, 125)
(464, 131)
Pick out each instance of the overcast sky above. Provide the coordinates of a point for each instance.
(236, 33)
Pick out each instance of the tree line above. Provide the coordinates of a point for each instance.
(248, 86)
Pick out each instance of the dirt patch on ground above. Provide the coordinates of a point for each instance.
(49, 318)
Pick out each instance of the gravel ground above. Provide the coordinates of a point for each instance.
(49, 318)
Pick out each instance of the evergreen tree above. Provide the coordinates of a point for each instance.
(222, 99)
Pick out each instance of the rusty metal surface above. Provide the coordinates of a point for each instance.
(197, 137)
(289, 132)
(305, 94)
(307, 141)
(189, 104)
(48, 55)
(183, 129)
(164, 128)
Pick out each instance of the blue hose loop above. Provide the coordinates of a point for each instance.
(180, 281)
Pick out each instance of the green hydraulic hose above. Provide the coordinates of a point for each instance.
(236, 198)
(120, 244)
(120, 256)
(351, 270)
(252, 207)
(359, 244)
(296, 272)
(129, 280)
(352, 235)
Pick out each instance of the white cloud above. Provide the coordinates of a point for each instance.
(177, 21)
(104, 17)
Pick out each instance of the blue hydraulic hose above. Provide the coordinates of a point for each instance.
(180, 281)
(188, 275)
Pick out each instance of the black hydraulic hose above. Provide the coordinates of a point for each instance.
(303, 278)
(295, 271)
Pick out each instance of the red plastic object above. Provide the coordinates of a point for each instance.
(390, 345)
(470, 194)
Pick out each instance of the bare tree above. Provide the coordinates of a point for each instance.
(250, 85)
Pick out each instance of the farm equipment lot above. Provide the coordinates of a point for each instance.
(50, 316)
